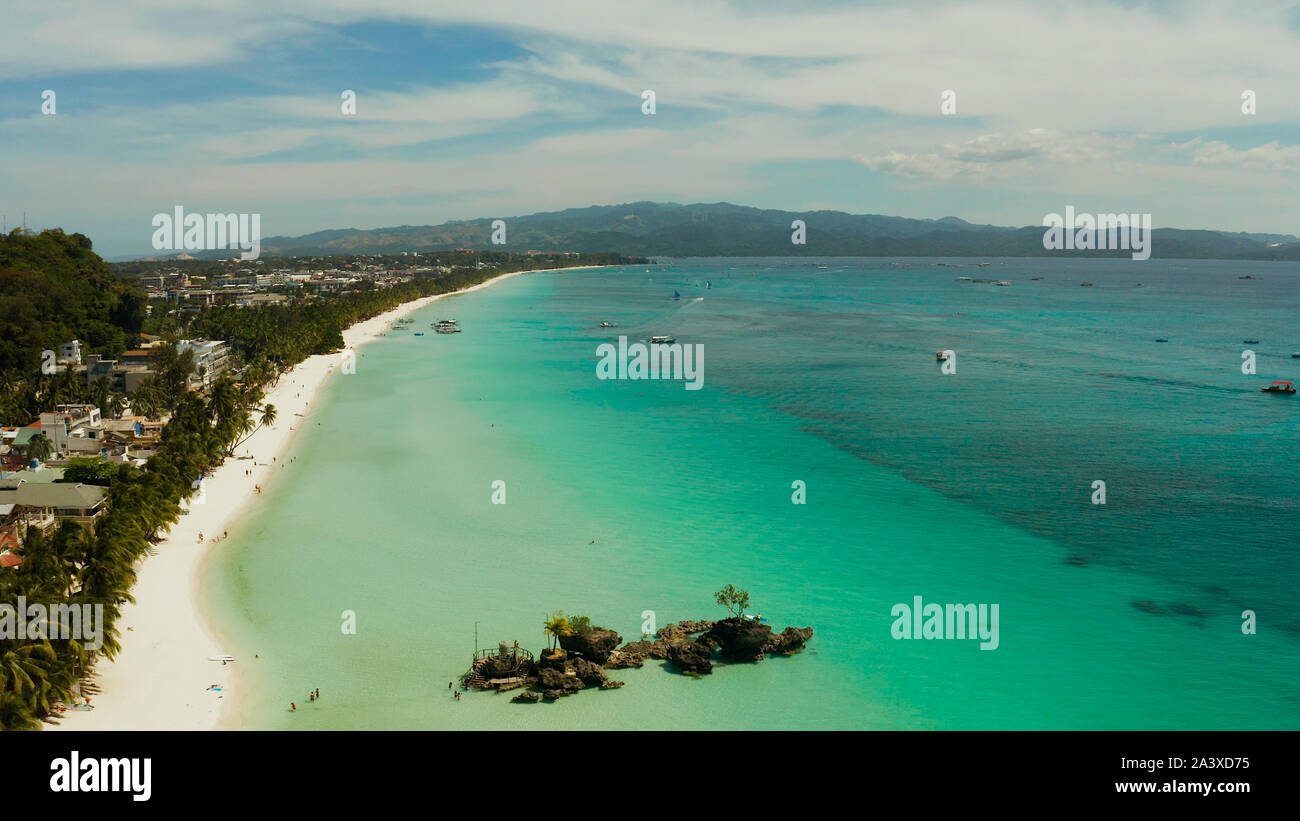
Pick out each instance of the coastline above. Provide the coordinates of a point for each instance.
(160, 679)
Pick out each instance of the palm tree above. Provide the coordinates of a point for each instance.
(268, 419)
(40, 447)
(14, 714)
(556, 627)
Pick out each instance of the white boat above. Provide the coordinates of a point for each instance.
(662, 340)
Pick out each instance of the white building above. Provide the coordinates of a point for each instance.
(211, 358)
(70, 353)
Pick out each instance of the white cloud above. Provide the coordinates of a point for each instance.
(993, 155)
(1271, 155)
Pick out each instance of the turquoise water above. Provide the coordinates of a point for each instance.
(628, 496)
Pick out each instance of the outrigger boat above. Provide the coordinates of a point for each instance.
(1279, 386)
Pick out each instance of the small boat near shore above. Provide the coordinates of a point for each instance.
(608, 325)
(1279, 386)
(1162, 339)
(1250, 341)
(941, 356)
(661, 340)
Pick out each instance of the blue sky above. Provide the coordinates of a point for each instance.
(518, 107)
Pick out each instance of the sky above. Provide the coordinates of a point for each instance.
(471, 110)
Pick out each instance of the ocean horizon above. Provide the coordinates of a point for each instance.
(625, 498)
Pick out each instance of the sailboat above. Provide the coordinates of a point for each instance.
(676, 295)
(707, 284)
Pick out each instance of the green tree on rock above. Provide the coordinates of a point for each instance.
(736, 601)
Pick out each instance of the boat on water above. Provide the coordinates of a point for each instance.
(1004, 282)
(676, 295)
(941, 356)
(1035, 279)
(963, 279)
(661, 340)
(1085, 285)
(608, 325)
(1250, 341)
(419, 333)
(707, 284)
(1162, 339)
(1279, 386)
(1296, 355)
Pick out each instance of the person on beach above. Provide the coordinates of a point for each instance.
(200, 537)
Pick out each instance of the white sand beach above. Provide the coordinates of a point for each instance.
(161, 678)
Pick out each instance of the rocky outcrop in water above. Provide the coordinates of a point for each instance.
(594, 645)
(565, 670)
(693, 657)
(790, 640)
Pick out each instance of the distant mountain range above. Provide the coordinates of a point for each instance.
(723, 229)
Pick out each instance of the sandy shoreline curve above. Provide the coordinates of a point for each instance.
(160, 680)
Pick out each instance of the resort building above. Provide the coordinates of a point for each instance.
(211, 359)
(122, 376)
(44, 504)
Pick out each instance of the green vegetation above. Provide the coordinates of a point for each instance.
(556, 627)
(90, 471)
(580, 625)
(53, 289)
(736, 601)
